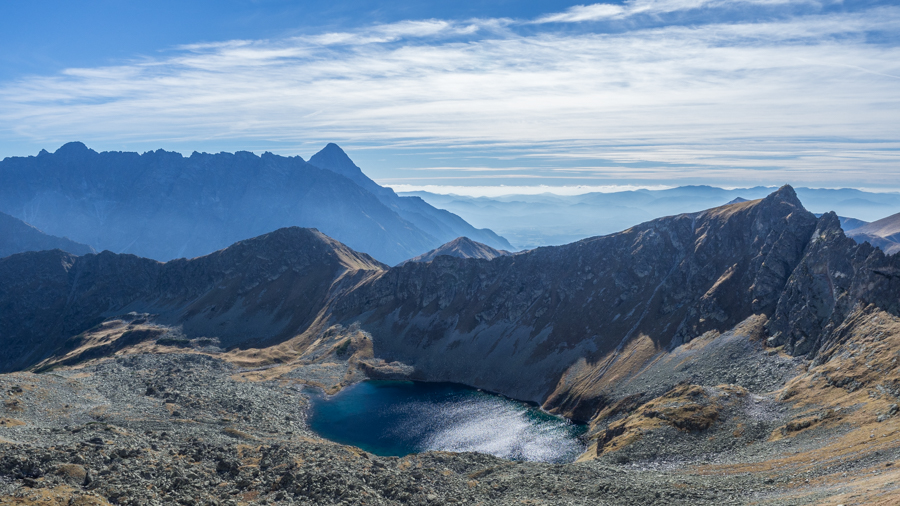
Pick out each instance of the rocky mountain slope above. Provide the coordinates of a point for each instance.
(884, 233)
(517, 324)
(256, 291)
(751, 346)
(443, 225)
(162, 205)
(461, 247)
(17, 236)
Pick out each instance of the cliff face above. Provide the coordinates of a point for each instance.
(835, 277)
(255, 292)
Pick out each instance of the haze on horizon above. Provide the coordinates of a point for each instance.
(641, 93)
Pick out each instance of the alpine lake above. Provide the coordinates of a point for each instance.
(396, 418)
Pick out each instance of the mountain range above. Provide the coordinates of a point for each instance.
(478, 321)
(530, 221)
(163, 205)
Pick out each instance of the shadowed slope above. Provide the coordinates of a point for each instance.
(17, 236)
(515, 324)
(258, 291)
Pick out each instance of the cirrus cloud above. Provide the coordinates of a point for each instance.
(788, 97)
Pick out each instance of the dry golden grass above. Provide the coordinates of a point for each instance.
(10, 422)
(60, 495)
(685, 407)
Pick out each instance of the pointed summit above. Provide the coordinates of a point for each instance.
(786, 194)
(333, 158)
(461, 247)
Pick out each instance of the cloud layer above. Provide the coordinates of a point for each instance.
(795, 97)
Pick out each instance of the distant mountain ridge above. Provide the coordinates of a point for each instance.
(884, 233)
(461, 247)
(16, 236)
(163, 205)
(530, 221)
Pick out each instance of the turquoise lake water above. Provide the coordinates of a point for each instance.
(396, 418)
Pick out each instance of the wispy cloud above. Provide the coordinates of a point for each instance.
(601, 11)
(790, 93)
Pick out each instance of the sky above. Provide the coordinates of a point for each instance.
(480, 94)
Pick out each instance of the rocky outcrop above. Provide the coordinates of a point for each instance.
(461, 247)
(16, 236)
(835, 276)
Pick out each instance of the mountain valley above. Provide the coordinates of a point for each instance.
(742, 354)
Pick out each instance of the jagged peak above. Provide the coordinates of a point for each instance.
(785, 194)
(829, 222)
(333, 158)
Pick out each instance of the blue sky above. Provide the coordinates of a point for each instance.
(465, 93)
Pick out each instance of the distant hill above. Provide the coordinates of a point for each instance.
(884, 233)
(17, 236)
(461, 247)
(163, 205)
(442, 224)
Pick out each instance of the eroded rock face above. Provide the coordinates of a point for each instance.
(835, 276)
